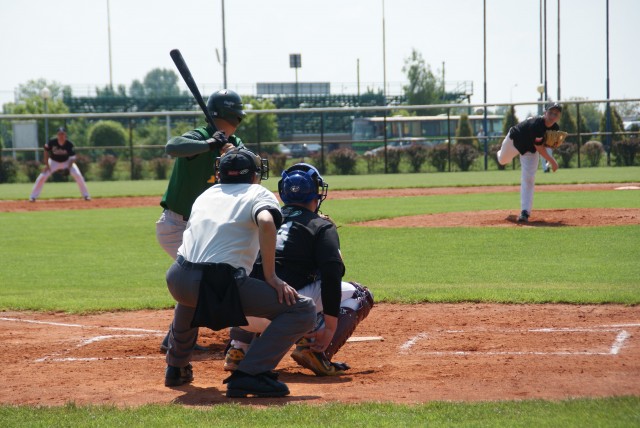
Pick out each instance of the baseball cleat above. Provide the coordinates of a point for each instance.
(317, 362)
(32, 199)
(176, 376)
(241, 385)
(233, 358)
(87, 198)
(523, 217)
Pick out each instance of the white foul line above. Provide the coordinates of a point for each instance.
(615, 348)
(58, 324)
(409, 343)
(619, 342)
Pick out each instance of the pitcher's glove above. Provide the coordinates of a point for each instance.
(554, 139)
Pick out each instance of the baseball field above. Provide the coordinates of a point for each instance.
(479, 321)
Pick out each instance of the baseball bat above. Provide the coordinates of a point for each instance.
(181, 64)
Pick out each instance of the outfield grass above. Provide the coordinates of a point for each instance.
(108, 259)
(604, 412)
(104, 189)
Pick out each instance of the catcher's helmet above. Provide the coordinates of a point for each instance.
(239, 166)
(302, 183)
(226, 104)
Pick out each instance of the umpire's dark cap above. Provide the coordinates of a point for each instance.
(238, 166)
(62, 129)
(555, 106)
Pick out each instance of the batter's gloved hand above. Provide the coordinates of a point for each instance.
(218, 141)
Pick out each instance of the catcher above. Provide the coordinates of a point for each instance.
(529, 139)
(308, 258)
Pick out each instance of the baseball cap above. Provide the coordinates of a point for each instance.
(554, 105)
(62, 129)
(238, 166)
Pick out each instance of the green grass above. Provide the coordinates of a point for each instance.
(603, 412)
(572, 265)
(108, 259)
(374, 181)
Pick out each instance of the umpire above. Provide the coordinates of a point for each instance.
(230, 222)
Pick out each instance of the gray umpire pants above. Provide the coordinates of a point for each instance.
(259, 299)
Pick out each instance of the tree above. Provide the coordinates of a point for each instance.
(588, 111)
(567, 123)
(616, 124)
(107, 133)
(510, 119)
(464, 130)
(108, 91)
(157, 83)
(29, 101)
(424, 87)
(268, 132)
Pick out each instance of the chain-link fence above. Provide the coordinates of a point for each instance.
(346, 140)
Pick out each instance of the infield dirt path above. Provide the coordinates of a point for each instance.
(428, 352)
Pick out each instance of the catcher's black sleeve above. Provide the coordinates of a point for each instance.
(331, 288)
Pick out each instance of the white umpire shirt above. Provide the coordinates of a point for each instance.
(222, 227)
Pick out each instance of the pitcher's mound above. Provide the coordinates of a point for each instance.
(508, 218)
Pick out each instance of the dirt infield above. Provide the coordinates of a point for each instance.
(429, 352)
(457, 352)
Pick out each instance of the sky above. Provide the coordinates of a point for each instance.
(68, 41)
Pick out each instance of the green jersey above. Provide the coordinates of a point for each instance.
(194, 171)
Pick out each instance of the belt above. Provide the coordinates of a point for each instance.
(188, 265)
(239, 272)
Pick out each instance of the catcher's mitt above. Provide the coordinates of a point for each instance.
(554, 139)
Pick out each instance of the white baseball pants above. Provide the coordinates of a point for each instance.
(529, 166)
(56, 166)
(313, 291)
(169, 229)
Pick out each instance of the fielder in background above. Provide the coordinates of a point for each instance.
(194, 169)
(308, 258)
(230, 222)
(59, 155)
(527, 140)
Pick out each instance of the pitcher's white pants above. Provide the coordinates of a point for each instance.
(56, 166)
(529, 166)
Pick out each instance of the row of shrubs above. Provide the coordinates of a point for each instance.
(105, 168)
(463, 156)
(342, 161)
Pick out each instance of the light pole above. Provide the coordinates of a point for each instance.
(515, 85)
(224, 49)
(540, 89)
(45, 93)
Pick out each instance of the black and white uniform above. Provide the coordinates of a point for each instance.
(521, 140)
(61, 156)
(308, 258)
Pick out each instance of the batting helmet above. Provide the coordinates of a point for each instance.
(302, 183)
(239, 166)
(226, 104)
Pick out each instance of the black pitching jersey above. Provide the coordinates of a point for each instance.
(57, 152)
(527, 134)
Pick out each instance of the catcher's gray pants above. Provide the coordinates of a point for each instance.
(259, 299)
(169, 229)
(56, 166)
